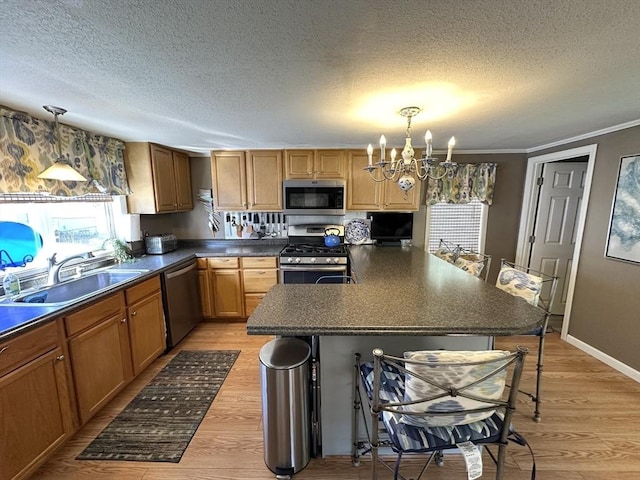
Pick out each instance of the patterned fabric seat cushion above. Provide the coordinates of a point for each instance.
(445, 254)
(411, 438)
(392, 385)
(520, 284)
(414, 438)
(444, 368)
(474, 267)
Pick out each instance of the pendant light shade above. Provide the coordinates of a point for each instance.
(60, 170)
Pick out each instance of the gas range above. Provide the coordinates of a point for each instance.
(306, 246)
(310, 254)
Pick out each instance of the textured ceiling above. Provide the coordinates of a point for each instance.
(201, 75)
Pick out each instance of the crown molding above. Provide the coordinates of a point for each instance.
(604, 131)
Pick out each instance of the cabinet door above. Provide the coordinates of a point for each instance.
(299, 164)
(146, 331)
(35, 416)
(329, 164)
(227, 293)
(396, 199)
(163, 178)
(362, 192)
(205, 294)
(182, 171)
(264, 180)
(228, 172)
(101, 364)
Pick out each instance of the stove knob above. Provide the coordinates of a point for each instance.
(328, 260)
(289, 260)
(335, 260)
(312, 260)
(298, 260)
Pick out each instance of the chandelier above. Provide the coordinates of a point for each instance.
(408, 168)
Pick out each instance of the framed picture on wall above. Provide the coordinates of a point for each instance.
(623, 242)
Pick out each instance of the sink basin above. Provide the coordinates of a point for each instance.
(77, 289)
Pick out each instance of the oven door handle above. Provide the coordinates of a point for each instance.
(314, 268)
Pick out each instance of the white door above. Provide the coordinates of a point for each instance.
(554, 234)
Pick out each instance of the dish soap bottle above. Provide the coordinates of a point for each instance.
(11, 285)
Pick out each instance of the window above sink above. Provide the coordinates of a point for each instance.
(67, 228)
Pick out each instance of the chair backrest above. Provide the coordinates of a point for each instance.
(449, 388)
(447, 251)
(536, 287)
(475, 263)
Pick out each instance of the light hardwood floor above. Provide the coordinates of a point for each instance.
(590, 428)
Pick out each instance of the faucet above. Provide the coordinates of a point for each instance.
(53, 272)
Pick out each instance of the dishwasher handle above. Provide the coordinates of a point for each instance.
(182, 271)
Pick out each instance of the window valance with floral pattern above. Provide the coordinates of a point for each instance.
(28, 146)
(463, 183)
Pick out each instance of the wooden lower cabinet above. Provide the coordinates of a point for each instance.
(259, 274)
(35, 406)
(232, 287)
(206, 298)
(227, 293)
(100, 354)
(147, 332)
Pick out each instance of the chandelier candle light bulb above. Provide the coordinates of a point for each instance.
(410, 169)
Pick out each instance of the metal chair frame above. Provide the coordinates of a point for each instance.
(375, 435)
(544, 303)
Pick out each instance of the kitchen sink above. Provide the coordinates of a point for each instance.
(89, 284)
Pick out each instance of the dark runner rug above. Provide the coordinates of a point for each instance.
(158, 424)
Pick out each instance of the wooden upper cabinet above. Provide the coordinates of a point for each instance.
(182, 170)
(159, 177)
(314, 164)
(363, 193)
(229, 180)
(247, 180)
(264, 180)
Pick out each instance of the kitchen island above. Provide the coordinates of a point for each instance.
(405, 299)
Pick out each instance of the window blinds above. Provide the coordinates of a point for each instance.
(458, 224)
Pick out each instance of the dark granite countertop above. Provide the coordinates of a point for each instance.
(18, 319)
(400, 291)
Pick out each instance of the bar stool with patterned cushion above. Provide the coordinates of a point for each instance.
(538, 289)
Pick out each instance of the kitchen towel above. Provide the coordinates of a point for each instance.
(160, 421)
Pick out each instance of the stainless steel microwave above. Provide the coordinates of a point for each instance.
(314, 197)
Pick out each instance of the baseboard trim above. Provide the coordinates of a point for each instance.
(604, 358)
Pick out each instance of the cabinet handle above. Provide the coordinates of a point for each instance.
(4, 348)
(261, 272)
(124, 320)
(60, 358)
(133, 314)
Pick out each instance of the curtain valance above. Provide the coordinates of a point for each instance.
(28, 145)
(463, 183)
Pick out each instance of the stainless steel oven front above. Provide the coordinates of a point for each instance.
(313, 273)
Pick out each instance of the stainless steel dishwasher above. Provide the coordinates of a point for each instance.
(181, 295)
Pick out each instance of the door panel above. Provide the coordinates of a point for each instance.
(559, 201)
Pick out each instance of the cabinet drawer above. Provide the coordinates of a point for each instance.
(22, 349)
(259, 262)
(259, 281)
(251, 301)
(88, 316)
(141, 290)
(223, 262)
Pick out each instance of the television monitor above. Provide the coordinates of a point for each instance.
(390, 227)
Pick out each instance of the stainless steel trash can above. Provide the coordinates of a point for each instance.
(284, 371)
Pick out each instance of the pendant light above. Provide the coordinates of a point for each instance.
(60, 170)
